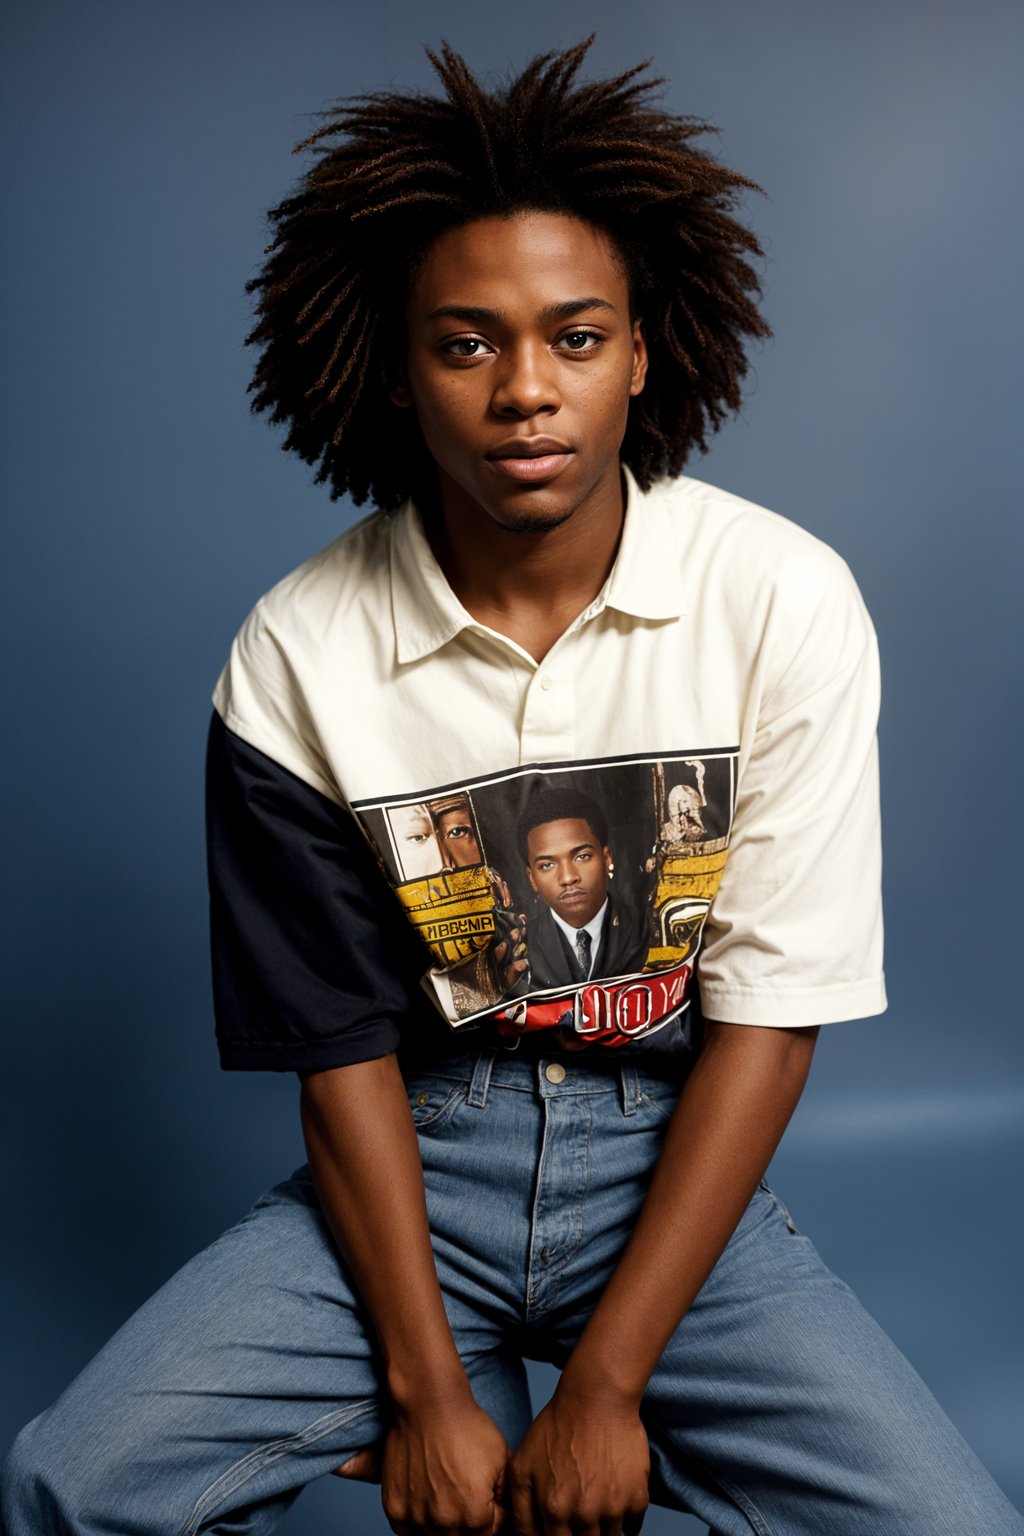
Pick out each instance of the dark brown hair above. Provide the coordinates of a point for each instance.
(392, 171)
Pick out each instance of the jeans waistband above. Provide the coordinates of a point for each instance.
(554, 1075)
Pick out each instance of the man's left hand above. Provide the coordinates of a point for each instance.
(581, 1470)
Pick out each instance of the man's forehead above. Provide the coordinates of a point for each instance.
(555, 836)
(532, 261)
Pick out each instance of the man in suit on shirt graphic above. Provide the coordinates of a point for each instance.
(581, 934)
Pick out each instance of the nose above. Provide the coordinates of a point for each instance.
(569, 875)
(525, 383)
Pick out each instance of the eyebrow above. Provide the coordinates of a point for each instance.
(472, 314)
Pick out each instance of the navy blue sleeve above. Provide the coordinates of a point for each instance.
(314, 964)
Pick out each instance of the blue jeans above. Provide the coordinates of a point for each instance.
(779, 1406)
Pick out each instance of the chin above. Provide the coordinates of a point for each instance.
(532, 522)
(530, 515)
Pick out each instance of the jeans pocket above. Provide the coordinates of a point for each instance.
(660, 1108)
(434, 1102)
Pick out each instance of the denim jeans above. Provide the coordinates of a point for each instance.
(778, 1407)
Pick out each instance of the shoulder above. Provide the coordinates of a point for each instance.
(330, 592)
(770, 581)
(330, 588)
(304, 627)
(762, 549)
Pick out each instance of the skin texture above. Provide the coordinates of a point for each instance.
(525, 557)
(456, 835)
(568, 869)
(488, 360)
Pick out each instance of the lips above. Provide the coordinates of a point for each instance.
(530, 458)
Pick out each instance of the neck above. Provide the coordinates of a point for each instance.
(528, 586)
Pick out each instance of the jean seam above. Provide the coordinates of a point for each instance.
(743, 1502)
(555, 1275)
(266, 1455)
(658, 1109)
(444, 1111)
(748, 1507)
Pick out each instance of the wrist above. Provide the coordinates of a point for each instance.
(417, 1387)
(597, 1390)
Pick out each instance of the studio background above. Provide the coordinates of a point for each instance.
(146, 511)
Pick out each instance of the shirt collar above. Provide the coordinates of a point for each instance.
(595, 928)
(644, 581)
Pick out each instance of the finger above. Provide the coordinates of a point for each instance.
(404, 1527)
(363, 1467)
(632, 1522)
(523, 1514)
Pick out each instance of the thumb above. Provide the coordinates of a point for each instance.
(364, 1466)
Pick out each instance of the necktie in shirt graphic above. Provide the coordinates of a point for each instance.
(583, 953)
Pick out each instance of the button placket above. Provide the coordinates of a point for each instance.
(549, 707)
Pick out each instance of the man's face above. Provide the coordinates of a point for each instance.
(415, 841)
(456, 834)
(568, 868)
(521, 360)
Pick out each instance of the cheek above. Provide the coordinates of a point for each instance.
(604, 398)
(443, 393)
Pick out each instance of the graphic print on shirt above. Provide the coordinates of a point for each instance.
(563, 895)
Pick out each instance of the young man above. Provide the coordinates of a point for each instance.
(580, 931)
(507, 318)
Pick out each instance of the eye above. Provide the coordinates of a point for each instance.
(464, 346)
(581, 341)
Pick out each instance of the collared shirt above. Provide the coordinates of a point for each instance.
(594, 929)
(717, 701)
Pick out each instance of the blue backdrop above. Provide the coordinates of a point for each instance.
(146, 511)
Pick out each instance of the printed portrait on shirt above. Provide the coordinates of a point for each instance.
(432, 835)
(562, 895)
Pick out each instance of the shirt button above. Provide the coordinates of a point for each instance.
(422, 1098)
(554, 1072)
(546, 683)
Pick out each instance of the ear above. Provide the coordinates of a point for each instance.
(640, 359)
(396, 372)
(533, 883)
(399, 392)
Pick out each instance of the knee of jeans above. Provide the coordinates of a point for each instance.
(29, 1498)
(55, 1477)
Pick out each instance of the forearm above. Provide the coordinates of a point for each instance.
(727, 1123)
(365, 1160)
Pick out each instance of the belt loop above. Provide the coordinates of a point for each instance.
(481, 1080)
(630, 1080)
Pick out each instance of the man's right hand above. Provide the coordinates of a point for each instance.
(442, 1461)
(442, 1466)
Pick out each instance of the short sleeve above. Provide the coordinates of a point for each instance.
(259, 698)
(794, 935)
(313, 965)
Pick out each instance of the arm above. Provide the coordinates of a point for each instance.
(728, 1121)
(313, 971)
(443, 1459)
(793, 938)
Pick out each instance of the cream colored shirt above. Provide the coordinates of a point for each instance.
(729, 652)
